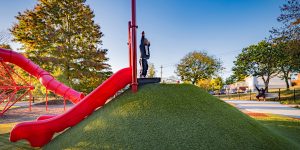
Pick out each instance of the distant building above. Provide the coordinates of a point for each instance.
(170, 80)
(295, 78)
(274, 83)
(250, 82)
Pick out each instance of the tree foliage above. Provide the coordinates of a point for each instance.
(287, 63)
(257, 60)
(211, 84)
(5, 46)
(63, 35)
(290, 31)
(290, 13)
(151, 72)
(217, 83)
(286, 39)
(231, 79)
(205, 84)
(197, 65)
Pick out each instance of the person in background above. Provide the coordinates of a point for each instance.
(145, 55)
(261, 93)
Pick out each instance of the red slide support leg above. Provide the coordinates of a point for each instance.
(11, 91)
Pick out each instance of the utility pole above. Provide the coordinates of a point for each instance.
(161, 67)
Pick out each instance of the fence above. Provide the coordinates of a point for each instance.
(292, 95)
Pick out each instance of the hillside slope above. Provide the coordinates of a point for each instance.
(168, 117)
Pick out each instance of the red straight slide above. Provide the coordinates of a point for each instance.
(40, 132)
(45, 78)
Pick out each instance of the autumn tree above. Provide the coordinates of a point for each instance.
(258, 60)
(217, 83)
(205, 84)
(62, 35)
(197, 65)
(151, 71)
(5, 46)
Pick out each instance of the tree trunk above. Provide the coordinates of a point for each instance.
(266, 82)
(286, 78)
(193, 82)
(267, 87)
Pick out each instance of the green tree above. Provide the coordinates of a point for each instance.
(151, 72)
(257, 60)
(197, 65)
(231, 79)
(287, 63)
(63, 34)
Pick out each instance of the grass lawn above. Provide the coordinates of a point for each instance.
(284, 126)
(170, 117)
(5, 144)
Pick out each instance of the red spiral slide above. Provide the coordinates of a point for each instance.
(41, 131)
(45, 78)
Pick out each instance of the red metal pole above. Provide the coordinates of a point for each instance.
(64, 104)
(10, 99)
(30, 99)
(30, 93)
(13, 102)
(134, 83)
(46, 99)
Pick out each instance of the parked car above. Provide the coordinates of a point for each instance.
(232, 91)
(211, 92)
(223, 91)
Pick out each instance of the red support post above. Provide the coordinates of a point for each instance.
(46, 99)
(9, 99)
(30, 93)
(133, 57)
(12, 101)
(64, 104)
(30, 99)
(9, 87)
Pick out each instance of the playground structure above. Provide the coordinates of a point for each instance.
(41, 131)
(12, 91)
(44, 77)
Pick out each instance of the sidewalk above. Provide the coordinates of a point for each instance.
(265, 107)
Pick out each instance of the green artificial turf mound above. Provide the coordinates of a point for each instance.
(168, 117)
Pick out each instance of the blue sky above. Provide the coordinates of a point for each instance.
(174, 27)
